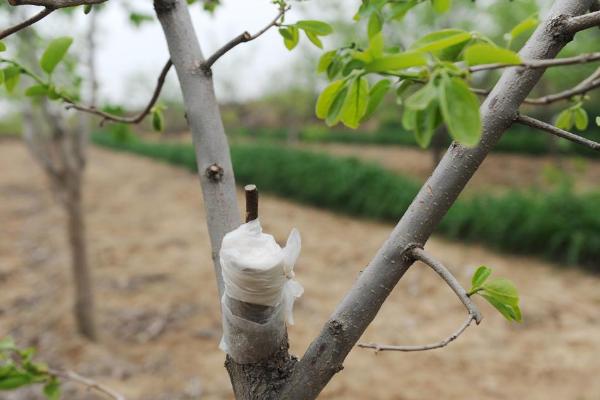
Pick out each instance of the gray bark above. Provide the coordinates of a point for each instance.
(327, 352)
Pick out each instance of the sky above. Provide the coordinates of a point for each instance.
(129, 59)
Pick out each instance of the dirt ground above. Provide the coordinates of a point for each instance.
(159, 316)
(498, 172)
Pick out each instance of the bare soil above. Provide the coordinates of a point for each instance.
(158, 309)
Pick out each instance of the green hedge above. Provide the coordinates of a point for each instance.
(560, 226)
(517, 140)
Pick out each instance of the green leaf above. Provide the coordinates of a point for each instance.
(480, 276)
(460, 109)
(375, 49)
(327, 97)
(598, 121)
(420, 99)
(355, 105)
(15, 381)
(376, 95)
(137, 19)
(54, 53)
(314, 39)
(425, 122)
(399, 10)
(12, 76)
(524, 26)
(52, 389)
(511, 313)
(325, 61)
(581, 119)
(36, 90)
(409, 119)
(290, 36)
(2, 47)
(488, 54)
(317, 27)
(87, 9)
(502, 290)
(441, 6)
(1, 77)
(334, 113)
(375, 25)
(440, 40)
(157, 120)
(565, 119)
(397, 61)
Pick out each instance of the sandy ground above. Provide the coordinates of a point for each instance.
(498, 172)
(157, 303)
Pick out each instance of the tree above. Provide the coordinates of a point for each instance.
(431, 78)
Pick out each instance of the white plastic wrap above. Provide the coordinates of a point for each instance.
(257, 270)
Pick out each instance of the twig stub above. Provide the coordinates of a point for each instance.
(251, 202)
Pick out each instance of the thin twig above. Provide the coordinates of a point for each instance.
(473, 312)
(424, 347)
(13, 29)
(242, 38)
(581, 59)
(251, 202)
(535, 123)
(54, 3)
(87, 382)
(127, 120)
(582, 22)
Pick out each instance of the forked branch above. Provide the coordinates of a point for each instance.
(241, 38)
(543, 63)
(473, 312)
(28, 22)
(127, 120)
(582, 22)
(535, 123)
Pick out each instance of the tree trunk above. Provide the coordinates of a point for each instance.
(82, 280)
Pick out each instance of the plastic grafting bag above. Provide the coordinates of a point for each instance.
(257, 270)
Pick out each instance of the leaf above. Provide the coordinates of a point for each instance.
(397, 61)
(157, 120)
(425, 123)
(290, 36)
(511, 313)
(317, 27)
(502, 290)
(375, 25)
(441, 6)
(355, 105)
(87, 9)
(334, 113)
(327, 97)
(2, 47)
(376, 95)
(581, 118)
(137, 19)
(460, 109)
(325, 61)
(399, 10)
(1, 77)
(488, 54)
(52, 389)
(12, 76)
(36, 90)
(54, 53)
(524, 26)
(376, 44)
(420, 99)
(15, 381)
(409, 119)
(565, 119)
(314, 39)
(480, 276)
(598, 121)
(440, 40)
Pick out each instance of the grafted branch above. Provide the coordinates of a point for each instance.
(542, 63)
(126, 120)
(241, 38)
(473, 312)
(87, 382)
(583, 22)
(535, 123)
(54, 3)
(28, 22)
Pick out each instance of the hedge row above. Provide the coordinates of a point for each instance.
(560, 226)
(519, 140)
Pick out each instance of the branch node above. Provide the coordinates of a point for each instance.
(214, 173)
